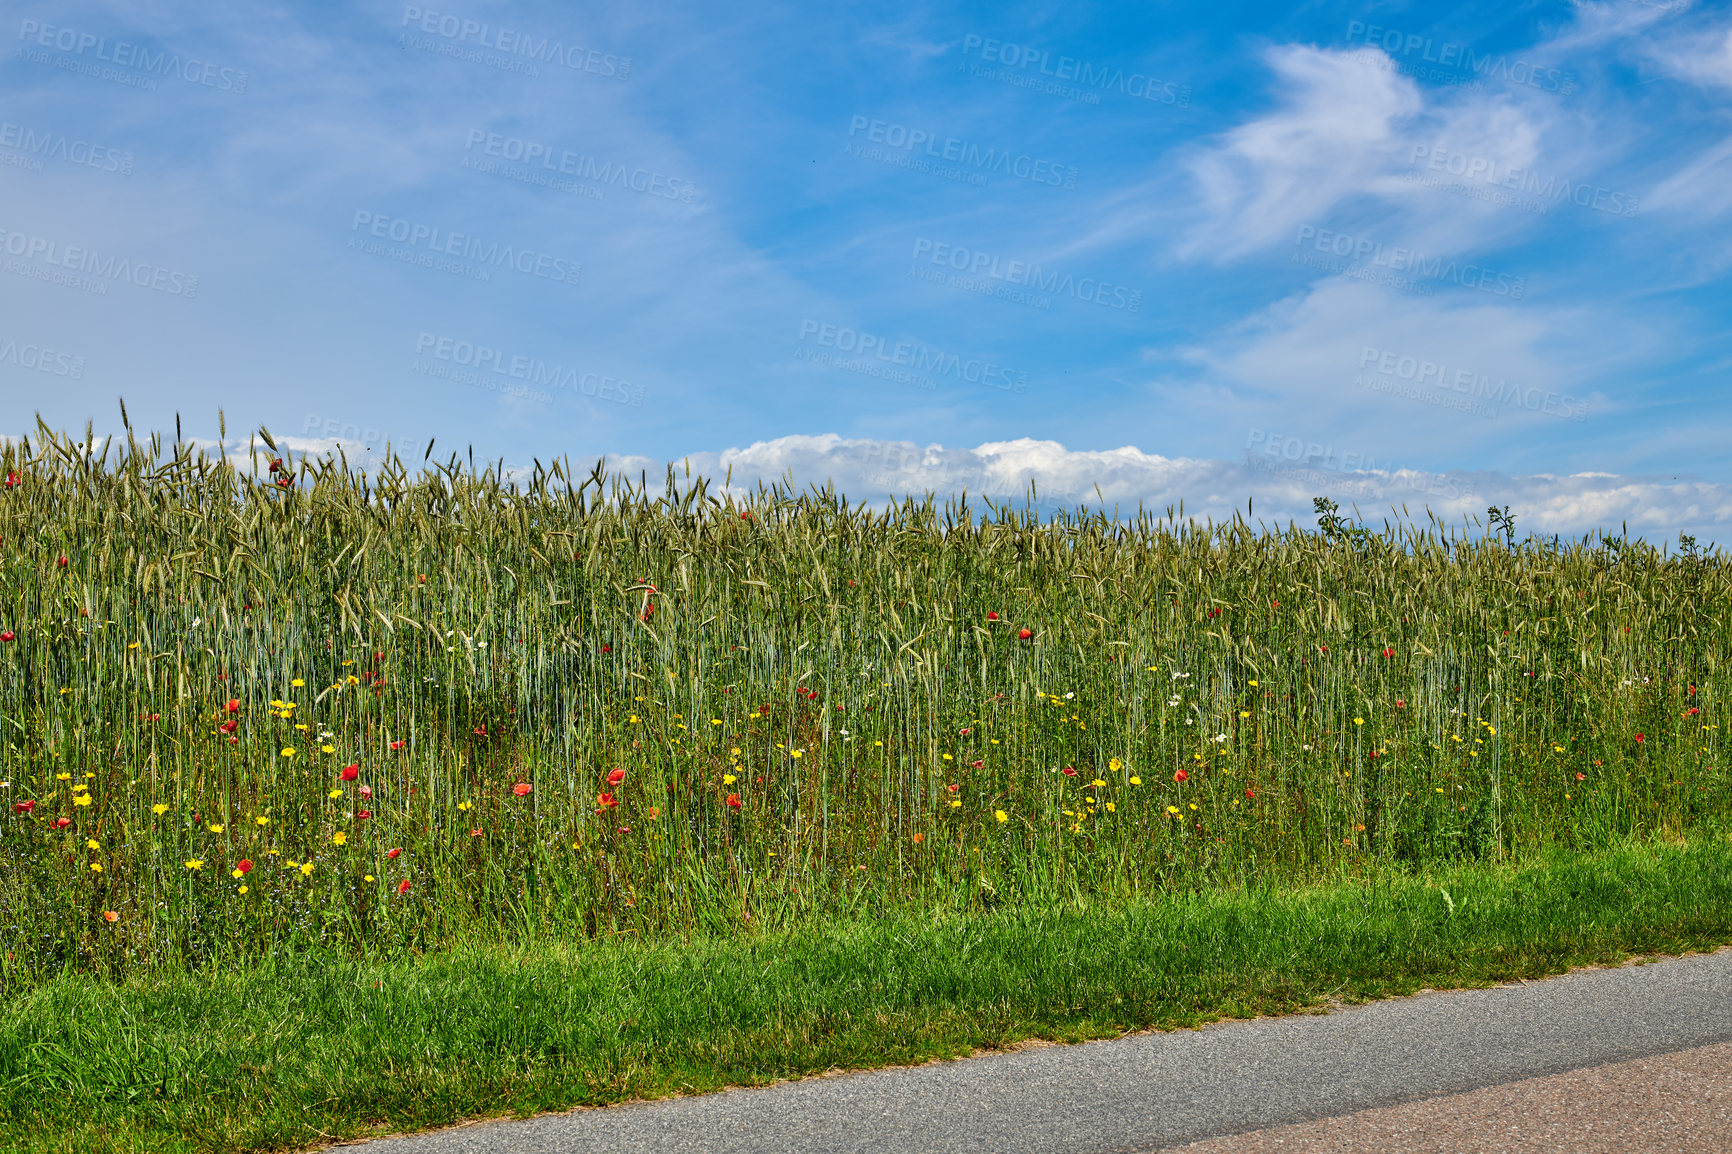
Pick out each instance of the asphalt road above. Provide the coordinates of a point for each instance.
(1153, 1091)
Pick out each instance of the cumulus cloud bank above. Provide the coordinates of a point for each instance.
(1274, 481)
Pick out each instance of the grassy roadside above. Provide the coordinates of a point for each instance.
(296, 1050)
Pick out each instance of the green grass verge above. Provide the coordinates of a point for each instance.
(297, 1050)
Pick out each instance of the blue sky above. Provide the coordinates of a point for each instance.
(1415, 254)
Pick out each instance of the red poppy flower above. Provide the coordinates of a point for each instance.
(1691, 712)
(733, 801)
(245, 865)
(363, 814)
(1581, 777)
(474, 833)
(992, 615)
(62, 561)
(521, 788)
(395, 745)
(366, 791)
(625, 829)
(23, 806)
(12, 481)
(1181, 777)
(229, 726)
(480, 730)
(763, 709)
(654, 813)
(395, 852)
(1024, 634)
(233, 705)
(1250, 793)
(607, 649)
(276, 464)
(1388, 652)
(954, 788)
(1640, 738)
(606, 800)
(8, 636)
(1068, 771)
(977, 765)
(1400, 704)
(350, 772)
(110, 916)
(403, 886)
(616, 776)
(62, 822)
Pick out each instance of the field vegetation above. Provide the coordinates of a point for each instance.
(294, 705)
(335, 801)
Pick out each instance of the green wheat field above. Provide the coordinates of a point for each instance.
(255, 717)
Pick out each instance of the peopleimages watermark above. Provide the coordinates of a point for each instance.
(898, 464)
(953, 158)
(336, 429)
(532, 162)
(482, 366)
(1432, 164)
(429, 246)
(1067, 77)
(1355, 250)
(86, 269)
(975, 271)
(906, 362)
(40, 358)
(32, 146)
(1401, 374)
(1305, 460)
(1461, 58)
(85, 53)
(508, 49)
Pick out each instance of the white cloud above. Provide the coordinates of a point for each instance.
(1279, 487)
(1419, 379)
(1332, 135)
(1275, 481)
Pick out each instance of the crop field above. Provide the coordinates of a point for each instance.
(255, 711)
